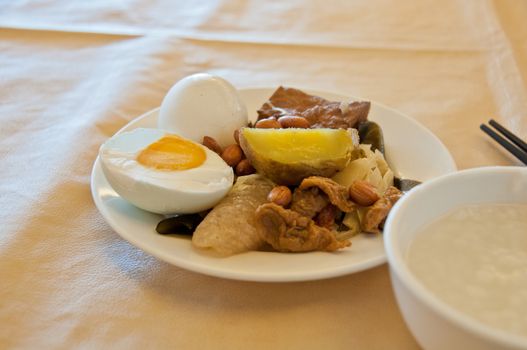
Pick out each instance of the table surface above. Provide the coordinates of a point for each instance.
(73, 73)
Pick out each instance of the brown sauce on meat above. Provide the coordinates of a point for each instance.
(319, 112)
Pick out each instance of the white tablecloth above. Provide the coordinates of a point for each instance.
(73, 72)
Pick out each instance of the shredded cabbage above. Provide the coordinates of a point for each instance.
(367, 165)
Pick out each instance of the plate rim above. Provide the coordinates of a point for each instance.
(214, 271)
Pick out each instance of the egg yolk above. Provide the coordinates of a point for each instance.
(172, 152)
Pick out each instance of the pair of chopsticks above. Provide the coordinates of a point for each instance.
(518, 147)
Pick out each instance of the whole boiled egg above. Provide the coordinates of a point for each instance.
(203, 105)
(164, 173)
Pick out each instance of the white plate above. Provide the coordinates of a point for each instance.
(411, 150)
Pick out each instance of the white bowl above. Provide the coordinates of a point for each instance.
(435, 324)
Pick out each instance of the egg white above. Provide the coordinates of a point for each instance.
(203, 105)
(162, 191)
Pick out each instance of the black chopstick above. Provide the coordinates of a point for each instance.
(515, 139)
(519, 152)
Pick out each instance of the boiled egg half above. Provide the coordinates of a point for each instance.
(164, 173)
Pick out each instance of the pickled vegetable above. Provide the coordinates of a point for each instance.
(371, 133)
(405, 185)
(182, 224)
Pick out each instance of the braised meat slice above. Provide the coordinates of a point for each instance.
(288, 231)
(319, 112)
(376, 214)
(393, 194)
(337, 194)
(309, 202)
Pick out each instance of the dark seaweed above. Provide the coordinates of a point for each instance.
(371, 133)
(182, 224)
(405, 185)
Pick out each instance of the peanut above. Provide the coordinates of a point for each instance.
(268, 123)
(363, 193)
(291, 121)
(280, 195)
(244, 167)
(211, 144)
(232, 155)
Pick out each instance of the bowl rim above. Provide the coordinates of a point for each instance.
(398, 266)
